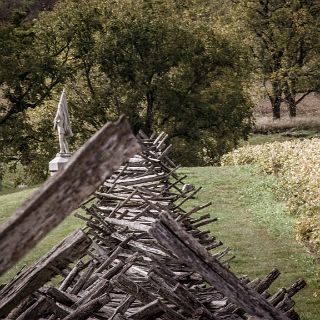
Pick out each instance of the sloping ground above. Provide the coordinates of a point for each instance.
(8, 204)
(251, 222)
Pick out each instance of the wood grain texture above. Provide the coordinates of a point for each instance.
(43, 270)
(170, 234)
(127, 274)
(64, 192)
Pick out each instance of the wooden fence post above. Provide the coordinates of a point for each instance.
(66, 190)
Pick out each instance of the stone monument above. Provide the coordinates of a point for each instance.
(61, 123)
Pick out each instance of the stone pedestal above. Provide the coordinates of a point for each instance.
(58, 162)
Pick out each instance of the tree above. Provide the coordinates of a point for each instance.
(153, 61)
(284, 39)
(301, 52)
(30, 67)
(28, 9)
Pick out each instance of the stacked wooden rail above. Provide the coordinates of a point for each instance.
(143, 256)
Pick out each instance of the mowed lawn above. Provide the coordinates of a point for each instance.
(251, 222)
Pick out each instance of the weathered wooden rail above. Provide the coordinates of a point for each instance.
(65, 191)
(145, 258)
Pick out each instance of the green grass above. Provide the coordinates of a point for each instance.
(251, 222)
(12, 175)
(254, 225)
(8, 204)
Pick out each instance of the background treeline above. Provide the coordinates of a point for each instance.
(190, 68)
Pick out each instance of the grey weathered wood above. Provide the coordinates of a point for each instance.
(296, 287)
(162, 288)
(126, 223)
(83, 278)
(145, 296)
(59, 296)
(23, 306)
(66, 190)
(170, 234)
(140, 278)
(85, 311)
(265, 283)
(44, 305)
(43, 270)
(123, 306)
(150, 311)
(34, 310)
(98, 289)
(181, 291)
(68, 280)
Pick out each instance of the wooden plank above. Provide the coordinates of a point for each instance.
(66, 190)
(155, 178)
(44, 305)
(145, 296)
(43, 270)
(84, 311)
(68, 280)
(123, 306)
(58, 295)
(171, 235)
(151, 311)
(132, 225)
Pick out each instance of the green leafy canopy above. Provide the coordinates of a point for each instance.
(160, 62)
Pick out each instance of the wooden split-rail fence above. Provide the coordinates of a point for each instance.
(142, 255)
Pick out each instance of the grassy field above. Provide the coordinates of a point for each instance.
(250, 221)
(8, 203)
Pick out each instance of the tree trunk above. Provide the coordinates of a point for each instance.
(149, 116)
(290, 99)
(275, 99)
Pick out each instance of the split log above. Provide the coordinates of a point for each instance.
(43, 270)
(43, 307)
(66, 190)
(123, 307)
(144, 296)
(83, 278)
(151, 311)
(116, 284)
(58, 295)
(85, 311)
(74, 272)
(170, 234)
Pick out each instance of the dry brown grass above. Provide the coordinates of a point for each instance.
(308, 116)
(268, 125)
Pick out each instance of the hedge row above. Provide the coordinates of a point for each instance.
(297, 167)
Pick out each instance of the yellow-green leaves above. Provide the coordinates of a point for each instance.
(297, 166)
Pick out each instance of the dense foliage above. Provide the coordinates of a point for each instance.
(27, 9)
(296, 165)
(185, 67)
(283, 37)
(159, 62)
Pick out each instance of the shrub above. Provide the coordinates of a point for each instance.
(297, 166)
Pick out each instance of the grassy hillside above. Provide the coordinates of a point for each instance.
(250, 221)
(8, 203)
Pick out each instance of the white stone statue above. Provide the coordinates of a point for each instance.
(62, 124)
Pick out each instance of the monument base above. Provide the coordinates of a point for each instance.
(58, 162)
